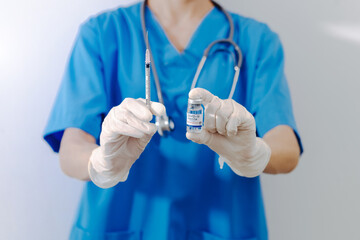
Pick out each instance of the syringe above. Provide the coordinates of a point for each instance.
(147, 73)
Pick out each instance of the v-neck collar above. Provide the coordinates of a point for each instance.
(166, 37)
(210, 28)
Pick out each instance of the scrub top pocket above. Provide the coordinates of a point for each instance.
(197, 235)
(81, 234)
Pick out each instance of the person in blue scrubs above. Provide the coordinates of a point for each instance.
(175, 188)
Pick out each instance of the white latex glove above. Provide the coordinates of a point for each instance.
(126, 131)
(229, 130)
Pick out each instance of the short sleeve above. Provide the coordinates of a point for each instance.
(81, 99)
(271, 101)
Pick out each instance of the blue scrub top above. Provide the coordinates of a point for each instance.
(175, 190)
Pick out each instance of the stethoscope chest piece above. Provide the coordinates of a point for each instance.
(164, 125)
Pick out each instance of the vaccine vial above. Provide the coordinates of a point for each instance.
(195, 116)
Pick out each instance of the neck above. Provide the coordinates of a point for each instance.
(175, 11)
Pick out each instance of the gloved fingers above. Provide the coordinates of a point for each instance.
(211, 110)
(204, 137)
(136, 114)
(214, 141)
(116, 122)
(133, 121)
(158, 109)
(223, 115)
(128, 117)
(240, 119)
(138, 108)
(142, 142)
(205, 95)
(233, 122)
(249, 121)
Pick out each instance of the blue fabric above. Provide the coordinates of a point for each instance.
(175, 190)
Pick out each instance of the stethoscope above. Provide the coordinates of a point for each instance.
(164, 123)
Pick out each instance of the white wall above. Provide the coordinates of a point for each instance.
(37, 201)
(322, 43)
(320, 199)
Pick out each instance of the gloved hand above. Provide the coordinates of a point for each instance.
(126, 131)
(229, 130)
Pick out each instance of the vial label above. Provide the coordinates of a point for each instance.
(194, 120)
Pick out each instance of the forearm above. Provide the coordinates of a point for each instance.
(285, 150)
(75, 150)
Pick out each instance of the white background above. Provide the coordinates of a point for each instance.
(319, 200)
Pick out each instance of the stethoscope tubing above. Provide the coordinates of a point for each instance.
(203, 59)
(202, 62)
